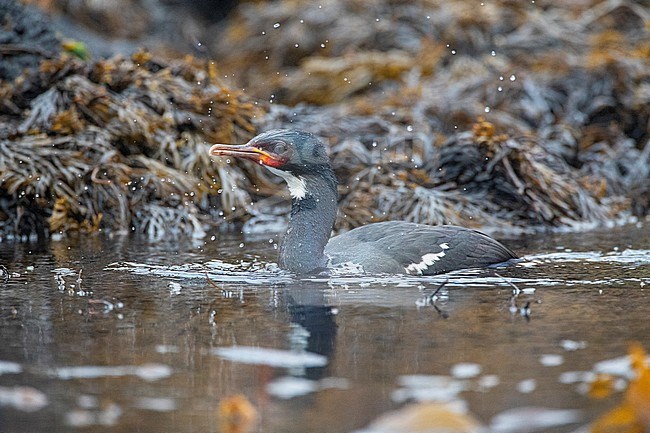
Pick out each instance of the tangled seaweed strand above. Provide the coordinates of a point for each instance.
(119, 144)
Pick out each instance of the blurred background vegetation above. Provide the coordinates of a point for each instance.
(505, 115)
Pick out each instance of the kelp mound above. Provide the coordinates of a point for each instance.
(118, 144)
(500, 115)
(300, 51)
(399, 89)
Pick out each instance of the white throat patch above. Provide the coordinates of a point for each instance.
(297, 185)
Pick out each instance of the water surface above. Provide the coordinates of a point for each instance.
(121, 334)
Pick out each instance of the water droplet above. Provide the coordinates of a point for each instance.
(494, 53)
(409, 128)
(512, 77)
(276, 25)
(453, 52)
(241, 245)
(500, 89)
(487, 109)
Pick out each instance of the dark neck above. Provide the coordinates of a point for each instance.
(310, 225)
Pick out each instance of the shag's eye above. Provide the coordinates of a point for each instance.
(280, 148)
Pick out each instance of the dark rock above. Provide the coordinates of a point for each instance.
(26, 38)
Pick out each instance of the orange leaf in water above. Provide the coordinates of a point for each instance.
(638, 393)
(236, 415)
(621, 419)
(601, 387)
(633, 415)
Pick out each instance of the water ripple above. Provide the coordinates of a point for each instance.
(258, 273)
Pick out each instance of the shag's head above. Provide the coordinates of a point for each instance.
(283, 149)
(292, 154)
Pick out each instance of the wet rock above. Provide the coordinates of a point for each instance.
(26, 38)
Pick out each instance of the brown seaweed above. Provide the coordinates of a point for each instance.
(121, 144)
(503, 115)
(564, 83)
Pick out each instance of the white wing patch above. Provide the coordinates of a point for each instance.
(427, 260)
(297, 185)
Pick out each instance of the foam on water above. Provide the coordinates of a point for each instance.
(258, 273)
(627, 256)
(271, 357)
(148, 372)
(528, 419)
(216, 270)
